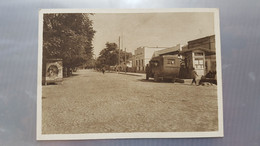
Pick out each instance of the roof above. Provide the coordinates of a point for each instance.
(207, 37)
(207, 51)
(168, 51)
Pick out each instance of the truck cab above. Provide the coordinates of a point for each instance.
(163, 67)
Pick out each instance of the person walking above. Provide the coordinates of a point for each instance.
(194, 75)
(103, 70)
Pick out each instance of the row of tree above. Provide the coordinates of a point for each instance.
(109, 56)
(68, 37)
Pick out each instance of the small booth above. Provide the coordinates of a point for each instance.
(199, 59)
(199, 54)
(52, 71)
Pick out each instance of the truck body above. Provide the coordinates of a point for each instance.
(163, 67)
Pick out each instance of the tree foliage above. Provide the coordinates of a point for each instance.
(69, 37)
(109, 56)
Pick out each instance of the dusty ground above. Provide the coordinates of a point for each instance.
(90, 102)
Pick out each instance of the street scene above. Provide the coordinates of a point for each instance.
(129, 72)
(93, 102)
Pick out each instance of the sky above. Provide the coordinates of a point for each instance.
(150, 29)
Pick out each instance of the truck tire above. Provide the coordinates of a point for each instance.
(173, 79)
(156, 78)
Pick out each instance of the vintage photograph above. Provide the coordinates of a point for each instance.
(129, 74)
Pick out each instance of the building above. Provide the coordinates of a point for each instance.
(199, 54)
(142, 56)
(124, 66)
(168, 51)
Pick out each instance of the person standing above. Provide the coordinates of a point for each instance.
(147, 71)
(194, 75)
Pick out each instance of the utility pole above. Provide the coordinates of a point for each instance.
(125, 60)
(122, 45)
(119, 51)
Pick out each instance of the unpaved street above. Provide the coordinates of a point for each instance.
(92, 102)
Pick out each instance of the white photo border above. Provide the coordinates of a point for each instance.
(219, 133)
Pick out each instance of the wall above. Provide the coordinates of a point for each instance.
(139, 57)
(149, 51)
(142, 57)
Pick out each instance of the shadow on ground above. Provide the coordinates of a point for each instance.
(164, 81)
(152, 81)
(130, 74)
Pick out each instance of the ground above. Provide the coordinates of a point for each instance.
(92, 102)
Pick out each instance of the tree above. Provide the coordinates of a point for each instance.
(69, 37)
(109, 56)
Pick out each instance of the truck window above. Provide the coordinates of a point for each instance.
(171, 61)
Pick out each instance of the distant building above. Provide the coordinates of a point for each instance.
(199, 54)
(129, 63)
(142, 56)
(124, 66)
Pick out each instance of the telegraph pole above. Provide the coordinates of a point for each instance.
(125, 60)
(122, 45)
(119, 51)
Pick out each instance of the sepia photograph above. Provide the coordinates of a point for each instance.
(140, 73)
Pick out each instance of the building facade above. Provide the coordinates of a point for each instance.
(142, 56)
(199, 54)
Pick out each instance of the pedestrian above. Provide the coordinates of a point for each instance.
(194, 75)
(103, 70)
(117, 69)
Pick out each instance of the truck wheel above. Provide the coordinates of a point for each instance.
(174, 79)
(156, 78)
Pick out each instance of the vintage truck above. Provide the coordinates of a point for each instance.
(163, 67)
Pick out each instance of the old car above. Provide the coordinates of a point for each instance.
(163, 67)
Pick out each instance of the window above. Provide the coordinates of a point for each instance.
(171, 61)
(156, 64)
(199, 63)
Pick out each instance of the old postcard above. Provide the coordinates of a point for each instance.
(139, 73)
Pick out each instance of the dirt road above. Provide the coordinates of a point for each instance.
(92, 102)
